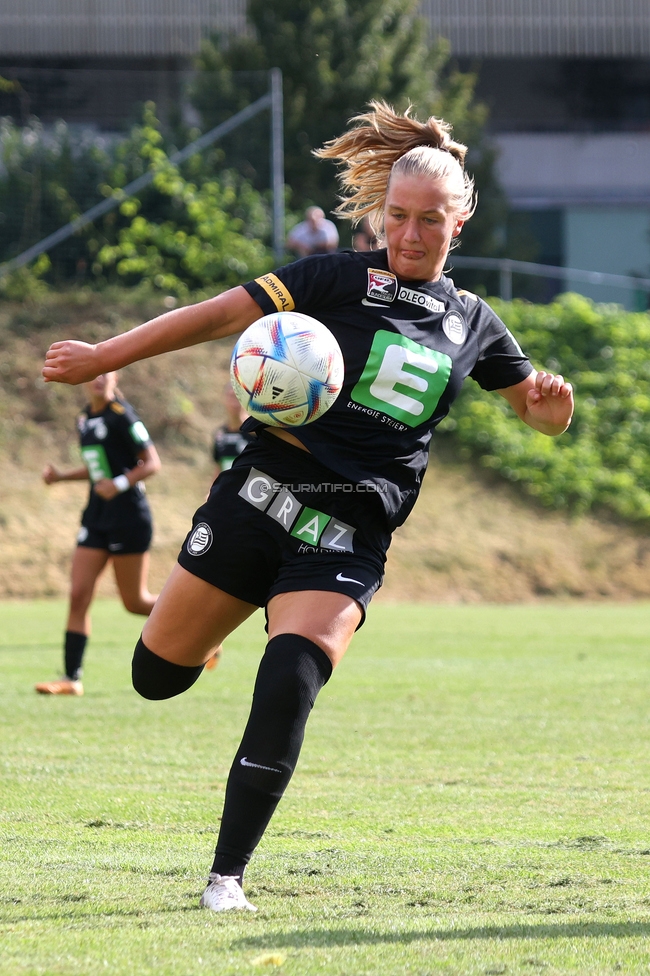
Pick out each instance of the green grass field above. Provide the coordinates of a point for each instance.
(473, 797)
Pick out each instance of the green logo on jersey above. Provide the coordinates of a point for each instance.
(97, 463)
(402, 378)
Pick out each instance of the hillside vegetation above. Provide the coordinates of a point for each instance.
(473, 536)
(604, 459)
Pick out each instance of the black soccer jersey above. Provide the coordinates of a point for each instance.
(228, 444)
(408, 346)
(110, 444)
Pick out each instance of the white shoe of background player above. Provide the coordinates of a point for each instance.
(223, 893)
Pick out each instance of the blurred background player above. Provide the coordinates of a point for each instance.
(116, 524)
(314, 235)
(364, 237)
(229, 442)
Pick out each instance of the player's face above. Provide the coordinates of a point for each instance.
(103, 386)
(419, 226)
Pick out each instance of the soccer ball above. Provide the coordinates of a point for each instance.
(287, 369)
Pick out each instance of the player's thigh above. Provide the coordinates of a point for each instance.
(87, 566)
(192, 617)
(131, 573)
(329, 619)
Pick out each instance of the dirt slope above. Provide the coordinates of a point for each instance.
(467, 540)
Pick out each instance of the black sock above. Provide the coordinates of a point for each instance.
(155, 679)
(75, 645)
(291, 673)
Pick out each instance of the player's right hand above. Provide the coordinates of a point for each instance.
(71, 361)
(51, 474)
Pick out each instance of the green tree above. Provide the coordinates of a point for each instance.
(335, 56)
(46, 179)
(182, 236)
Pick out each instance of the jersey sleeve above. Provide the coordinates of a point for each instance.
(501, 362)
(132, 430)
(304, 286)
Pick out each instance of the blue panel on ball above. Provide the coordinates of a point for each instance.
(279, 351)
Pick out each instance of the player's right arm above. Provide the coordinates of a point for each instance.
(51, 474)
(71, 361)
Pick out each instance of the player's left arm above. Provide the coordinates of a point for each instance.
(148, 464)
(544, 401)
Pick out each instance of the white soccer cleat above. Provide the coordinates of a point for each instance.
(223, 893)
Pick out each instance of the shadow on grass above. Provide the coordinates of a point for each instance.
(328, 938)
(95, 914)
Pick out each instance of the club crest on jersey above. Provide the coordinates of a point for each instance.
(453, 325)
(200, 539)
(382, 285)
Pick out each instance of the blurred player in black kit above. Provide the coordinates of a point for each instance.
(229, 439)
(229, 442)
(301, 522)
(118, 455)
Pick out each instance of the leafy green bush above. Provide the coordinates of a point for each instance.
(185, 232)
(604, 457)
(203, 236)
(47, 178)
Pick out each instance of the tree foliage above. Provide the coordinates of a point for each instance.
(184, 236)
(184, 233)
(335, 56)
(47, 178)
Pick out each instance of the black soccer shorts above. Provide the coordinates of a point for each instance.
(278, 521)
(128, 538)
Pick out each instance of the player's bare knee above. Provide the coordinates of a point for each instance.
(136, 605)
(80, 599)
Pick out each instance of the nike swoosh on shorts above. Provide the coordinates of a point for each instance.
(347, 579)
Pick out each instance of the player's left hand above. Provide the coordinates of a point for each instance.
(106, 489)
(549, 402)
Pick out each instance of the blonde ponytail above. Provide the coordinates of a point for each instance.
(382, 143)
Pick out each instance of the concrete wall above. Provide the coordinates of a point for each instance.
(601, 185)
(105, 28)
(483, 28)
(544, 170)
(549, 28)
(612, 239)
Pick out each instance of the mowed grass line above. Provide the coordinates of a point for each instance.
(473, 797)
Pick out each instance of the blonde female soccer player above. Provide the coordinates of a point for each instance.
(301, 523)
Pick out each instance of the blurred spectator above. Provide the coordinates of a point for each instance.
(364, 237)
(314, 235)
